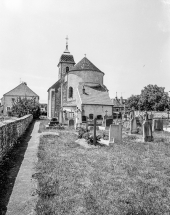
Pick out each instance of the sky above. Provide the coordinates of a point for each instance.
(129, 40)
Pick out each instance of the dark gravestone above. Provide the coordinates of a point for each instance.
(71, 122)
(147, 131)
(108, 122)
(54, 122)
(157, 125)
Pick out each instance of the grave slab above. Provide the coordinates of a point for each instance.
(115, 134)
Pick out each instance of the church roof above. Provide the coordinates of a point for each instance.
(85, 64)
(21, 90)
(95, 94)
(56, 85)
(66, 57)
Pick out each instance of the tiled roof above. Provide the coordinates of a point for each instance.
(117, 102)
(85, 64)
(67, 58)
(21, 90)
(94, 94)
(56, 85)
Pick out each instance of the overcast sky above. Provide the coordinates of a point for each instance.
(129, 40)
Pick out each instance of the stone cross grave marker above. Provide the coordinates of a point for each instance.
(115, 134)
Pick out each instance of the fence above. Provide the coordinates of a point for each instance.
(10, 131)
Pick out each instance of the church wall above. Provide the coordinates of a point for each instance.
(62, 68)
(89, 76)
(57, 102)
(97, 110)
(73, 81)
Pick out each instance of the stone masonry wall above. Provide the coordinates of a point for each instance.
(10, 131)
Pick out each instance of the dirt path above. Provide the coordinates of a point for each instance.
(17, 194)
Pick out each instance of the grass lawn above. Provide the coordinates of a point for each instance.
(128, 179)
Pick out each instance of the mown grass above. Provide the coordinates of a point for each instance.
(128, 179)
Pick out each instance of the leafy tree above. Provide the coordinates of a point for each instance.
(133, 101)
(152, 97)
(23, 106)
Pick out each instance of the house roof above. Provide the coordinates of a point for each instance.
(21, 90)
(85, 64)
(117, 102)
(94, 94)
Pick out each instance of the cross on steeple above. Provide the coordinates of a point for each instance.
(66, 42)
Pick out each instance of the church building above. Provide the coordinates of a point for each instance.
(79, 91)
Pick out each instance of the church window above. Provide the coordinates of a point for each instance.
(67, 69)
(70, 95)
(90, 116)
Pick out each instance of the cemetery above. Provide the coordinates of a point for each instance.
(119, 164)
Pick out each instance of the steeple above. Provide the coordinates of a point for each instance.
(66, 50)
(66, 61)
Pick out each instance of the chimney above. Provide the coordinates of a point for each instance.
(83, 90)
(121, 100)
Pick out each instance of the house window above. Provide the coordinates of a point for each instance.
(90, 116)
(70, 95)
(99, 117)
(8, 108)
(67, 69)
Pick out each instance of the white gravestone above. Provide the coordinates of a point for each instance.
(78, 119)
(133, 124)
(115, 134)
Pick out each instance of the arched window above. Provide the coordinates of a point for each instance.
(67, 69)
(70, 95)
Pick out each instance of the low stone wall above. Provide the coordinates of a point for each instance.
(10, 131)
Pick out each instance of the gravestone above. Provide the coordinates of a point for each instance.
(108, 122)
(147, 131)
(115, 134)
(150, 116)
(157, 125)
(133, 124)
(71, 122)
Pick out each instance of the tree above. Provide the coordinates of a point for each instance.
(153, 98)
(133, 101)
(23, 106)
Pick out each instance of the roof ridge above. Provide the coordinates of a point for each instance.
(85, 64)
(25, 85)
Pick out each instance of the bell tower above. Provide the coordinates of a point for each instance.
(66, 62)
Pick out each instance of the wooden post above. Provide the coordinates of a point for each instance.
(94, 136)
(86, 124)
